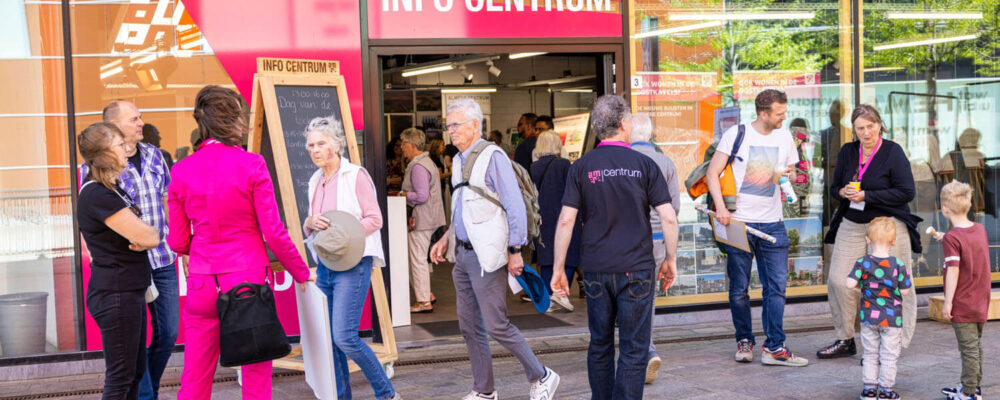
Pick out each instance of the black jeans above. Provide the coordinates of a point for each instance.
(121, 315)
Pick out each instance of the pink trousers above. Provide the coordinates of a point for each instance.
(201, 339)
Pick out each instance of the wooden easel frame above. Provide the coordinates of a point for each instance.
(264, 102)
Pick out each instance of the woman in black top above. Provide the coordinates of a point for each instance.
(548, 172)
(119, 268)
(872, 179)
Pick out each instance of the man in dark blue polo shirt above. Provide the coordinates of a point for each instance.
(612, 188)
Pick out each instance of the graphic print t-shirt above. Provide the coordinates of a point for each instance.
(759, 198)
(613, 187)
(968, 250)
(880, 280)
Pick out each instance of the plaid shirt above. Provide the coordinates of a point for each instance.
(148, 191)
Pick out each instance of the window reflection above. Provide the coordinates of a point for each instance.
(698, 67)
(940, 104)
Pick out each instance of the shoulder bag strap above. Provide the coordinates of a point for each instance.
(740, 133)
(467, 166)
(544, 171)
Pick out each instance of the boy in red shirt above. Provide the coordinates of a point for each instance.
(967, 273)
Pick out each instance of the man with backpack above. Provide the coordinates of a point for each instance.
(489, 225)
(760, 153)
(612, 188)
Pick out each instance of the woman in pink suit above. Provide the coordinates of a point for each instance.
(222, 211)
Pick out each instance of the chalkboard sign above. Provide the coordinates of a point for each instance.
(297, 106)
(285, 99)
(282, 111)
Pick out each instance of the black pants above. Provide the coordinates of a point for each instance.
(121, 315)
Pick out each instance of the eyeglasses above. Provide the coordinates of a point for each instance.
(454, 125)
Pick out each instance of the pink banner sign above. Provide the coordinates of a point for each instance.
(460, 19)
(796, 84)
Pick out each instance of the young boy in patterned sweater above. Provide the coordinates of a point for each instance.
(883, 280)
(966, 286)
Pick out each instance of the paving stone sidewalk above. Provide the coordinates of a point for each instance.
(697, 365)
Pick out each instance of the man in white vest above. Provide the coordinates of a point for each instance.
(422, 189)
(485, 242)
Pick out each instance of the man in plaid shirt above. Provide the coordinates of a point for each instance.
(146, 179)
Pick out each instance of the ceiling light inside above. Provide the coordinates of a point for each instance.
(678, 29)
(465, 74)
(470, 90)
(525, 55)
(428, 70)
(934, 15)
(741, 16)
(926, 42)
(493, 69)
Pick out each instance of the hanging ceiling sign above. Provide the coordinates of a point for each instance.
(454, 19)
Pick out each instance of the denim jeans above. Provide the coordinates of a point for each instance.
(121, 316)
(164, 314)
(346, 292)
(772, 268)
(627, 298)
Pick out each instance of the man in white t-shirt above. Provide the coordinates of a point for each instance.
(765, 154)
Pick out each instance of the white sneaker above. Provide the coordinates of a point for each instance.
(545, 388)
(652, 369)
(474, 395)
(562, 301)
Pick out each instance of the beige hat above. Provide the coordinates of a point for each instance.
(341, 246)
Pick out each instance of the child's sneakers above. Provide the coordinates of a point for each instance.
(781, 356)
(887, 394)
(869, 394)
(950, 392)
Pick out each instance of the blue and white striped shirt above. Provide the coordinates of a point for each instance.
(148, 190)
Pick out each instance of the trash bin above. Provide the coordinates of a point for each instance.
(22, 323)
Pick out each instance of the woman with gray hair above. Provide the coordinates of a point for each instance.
(342, 186)
(548, 172)
(422, 189)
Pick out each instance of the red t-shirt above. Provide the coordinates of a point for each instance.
(968, 250)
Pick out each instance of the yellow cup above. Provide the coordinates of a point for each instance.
(855, 184)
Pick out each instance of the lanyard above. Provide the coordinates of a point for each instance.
(863, 166)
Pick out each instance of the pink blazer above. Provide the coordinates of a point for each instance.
(222, 211)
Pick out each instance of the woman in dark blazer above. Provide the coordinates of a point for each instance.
(548, 172)
(872, 179)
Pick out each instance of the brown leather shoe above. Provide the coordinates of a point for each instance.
(421, 308)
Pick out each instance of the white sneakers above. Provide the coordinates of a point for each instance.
(545, 388)
(542, 389)
(474, 395)
(562, 301)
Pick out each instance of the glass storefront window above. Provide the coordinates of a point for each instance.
(149, 53)
(696, 68)
(933, 70)
(37, 297)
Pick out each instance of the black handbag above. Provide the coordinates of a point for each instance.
(249, 330)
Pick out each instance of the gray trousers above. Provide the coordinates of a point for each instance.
(659, 254)
(482, 309)
(849, 247)
(881, 350)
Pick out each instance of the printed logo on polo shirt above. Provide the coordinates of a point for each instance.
(595, 176)
(598, 175)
